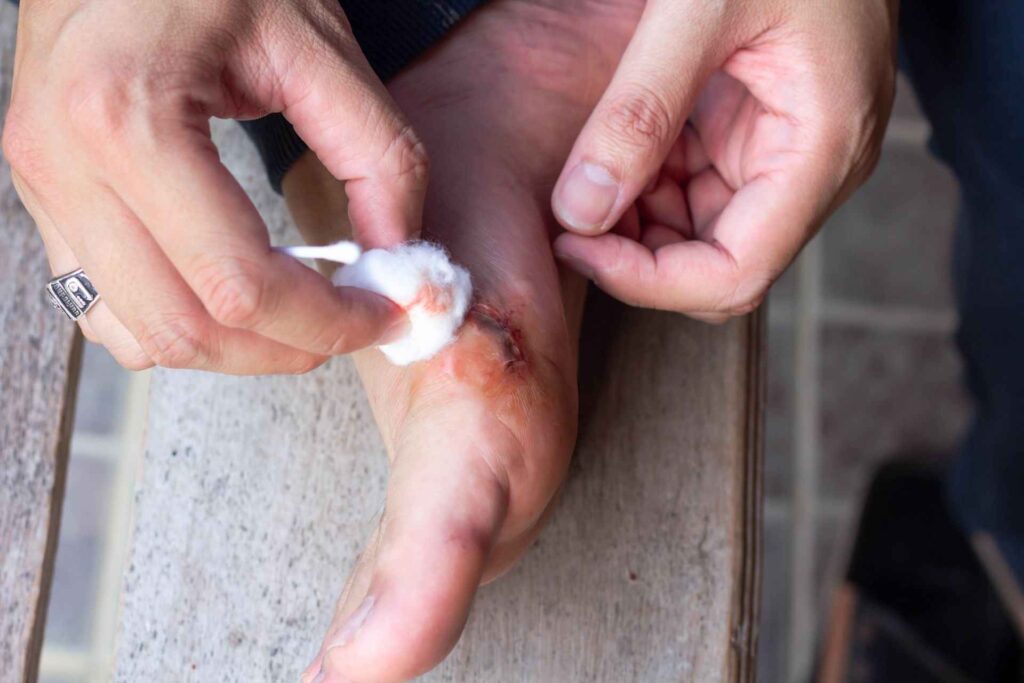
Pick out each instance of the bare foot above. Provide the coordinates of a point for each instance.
(480, 436)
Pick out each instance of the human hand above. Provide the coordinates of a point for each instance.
(108, 138)
(728, 133)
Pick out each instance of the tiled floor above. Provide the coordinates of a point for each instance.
(105, 448)
(861, 367)
(869, 303)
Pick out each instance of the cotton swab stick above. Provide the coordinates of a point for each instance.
(340, 252)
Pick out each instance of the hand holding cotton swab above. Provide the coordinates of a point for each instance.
(418, 276)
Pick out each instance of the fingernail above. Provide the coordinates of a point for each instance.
(579, 266)
(587, 196)
(319, 678)
(354, 623)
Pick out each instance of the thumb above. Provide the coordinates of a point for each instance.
(408, 598)
(639, 117)
(339, 107)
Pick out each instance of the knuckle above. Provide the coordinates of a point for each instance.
(233, 294)
(639, 117)
(337, 339)
(748, 293)
(175, 343)
(851, 144)
(97, 109)
(473, 538)
(407, 157)
(88, 332)
(124, 349)
(20, 147)
(339, 343)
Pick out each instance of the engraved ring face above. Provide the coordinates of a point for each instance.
(72, 293)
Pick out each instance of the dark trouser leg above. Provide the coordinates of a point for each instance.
(966, 60)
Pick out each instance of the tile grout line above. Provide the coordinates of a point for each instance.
(94, 661)
(64, 661)
(801, 626)
(117, 533)
(895, 318)
(871, 316)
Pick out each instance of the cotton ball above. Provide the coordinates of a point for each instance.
(419, 277)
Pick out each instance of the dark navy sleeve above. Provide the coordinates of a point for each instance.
(392, 33)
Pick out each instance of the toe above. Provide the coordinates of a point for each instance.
(410, 594)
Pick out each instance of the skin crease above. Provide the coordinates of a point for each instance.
(109, 143)
(479, 437)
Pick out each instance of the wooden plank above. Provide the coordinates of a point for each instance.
(647, 571)
(39, 352)
(256, 494)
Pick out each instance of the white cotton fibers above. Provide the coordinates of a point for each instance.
(419, 277)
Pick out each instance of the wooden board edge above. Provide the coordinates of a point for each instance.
(34, 647)
(747, 601)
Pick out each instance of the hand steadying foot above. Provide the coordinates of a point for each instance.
(480, 436)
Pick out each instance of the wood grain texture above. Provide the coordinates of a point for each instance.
(39, 351)
(256, 494)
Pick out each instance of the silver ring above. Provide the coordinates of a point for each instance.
(72, 293)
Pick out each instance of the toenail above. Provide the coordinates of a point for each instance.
(586, 198)
(354, 623)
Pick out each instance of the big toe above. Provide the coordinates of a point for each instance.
(408, 598)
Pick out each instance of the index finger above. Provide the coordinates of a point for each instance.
(341, 109)
(210, 230)
(760, 230)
